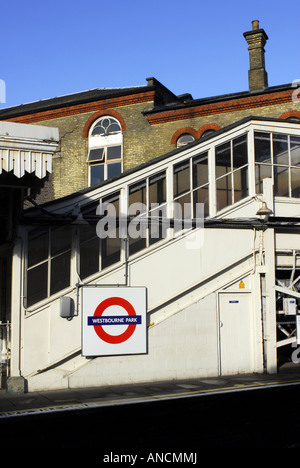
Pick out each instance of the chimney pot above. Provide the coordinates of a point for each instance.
(255, 25)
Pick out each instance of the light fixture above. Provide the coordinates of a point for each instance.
(264, 210)
(80, 219)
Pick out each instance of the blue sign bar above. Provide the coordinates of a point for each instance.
(115, 320)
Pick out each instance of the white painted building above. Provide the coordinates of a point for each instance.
(220, 289)
(26, 153)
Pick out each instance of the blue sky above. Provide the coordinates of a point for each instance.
(61, 47)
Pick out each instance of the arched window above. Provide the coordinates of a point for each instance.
(105, 149)
(207, 132)
(293, 119)
(184, 139)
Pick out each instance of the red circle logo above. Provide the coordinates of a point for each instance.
(114, 339)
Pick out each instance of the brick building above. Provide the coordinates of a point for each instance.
(107, 131)
(205, 302)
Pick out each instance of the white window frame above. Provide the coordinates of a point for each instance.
(104, 141)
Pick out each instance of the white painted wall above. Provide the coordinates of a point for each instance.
(184, 339)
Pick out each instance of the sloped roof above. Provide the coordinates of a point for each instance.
(163, 96)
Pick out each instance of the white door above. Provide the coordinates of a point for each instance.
(236, 332)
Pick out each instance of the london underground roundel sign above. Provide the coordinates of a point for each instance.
(130, 320)
(114, 321)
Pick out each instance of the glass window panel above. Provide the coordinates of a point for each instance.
(96, 154)
(115, 201)
(157, 189)
(262, 171)
(200, 171)
(60, 272)
(98, 130)
(113, 128)
(223, 188)
(223, 159)
(89, 210)
(240, 151)
(184, 140)
(114, 152)
(182, 207)
(37, 284)
(240, 184)
(295, 151)
(110, 250)
(157, 228)
(38, 243)
(201, 196)
(87, 232)
(113, 170)
(105, 123)
(181, 178)
(207, 133)
(262, 146)
(60, 239)
(281, 181)
(137, 193)
(295, 176)
(280, 149)
(135, 245)
(96, 173)
(89, 257)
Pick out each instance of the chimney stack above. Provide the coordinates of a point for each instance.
(257, 75)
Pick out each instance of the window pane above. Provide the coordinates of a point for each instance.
(113, 127)
(114, 152)
(223, 187)
(157, 229)
(89, 210)
(182, 207)
(157, 189)
(262, 171)
(38, 241)
(89, 257)
(110, 250)
(37, 284)
(295, 175)
(96, 154)
(223, 159)
(240, 183)
(280, 149)
(105, 122)
(60, 239)
(113, 200)
(200, 171)
(295, 151)
(137, 193)
(240, 151)
(98, 129)
(181, 178)
(113, 170)
(135, 245)
(60, 272)
(201, 196)
(184, 140)
(281, 181)
(87, 232)
(97, 173)
(262, 145)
